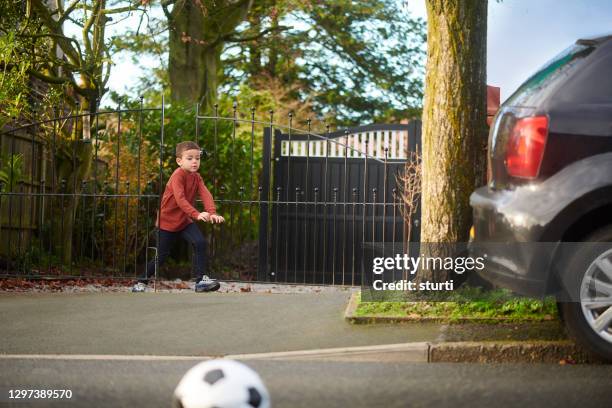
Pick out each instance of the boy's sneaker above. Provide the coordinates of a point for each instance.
(207, 285)
(139, 287)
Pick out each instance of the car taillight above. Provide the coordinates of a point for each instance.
(525, 148)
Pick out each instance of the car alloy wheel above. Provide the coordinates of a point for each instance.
(596, 296)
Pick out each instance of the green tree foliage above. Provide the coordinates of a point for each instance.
(19, 47)
(350, 62)
(356, 62)
(13, 81)
(44, 50)
(37, 50)
(11, 171)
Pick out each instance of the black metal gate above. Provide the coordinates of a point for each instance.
(331, 195)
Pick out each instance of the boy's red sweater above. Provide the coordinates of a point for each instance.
(177, 209)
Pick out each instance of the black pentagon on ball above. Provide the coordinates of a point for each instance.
(254, 397)
(213, 376)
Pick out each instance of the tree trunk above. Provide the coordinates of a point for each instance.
(187, 68)
(454, 123)
(273, 56)
(254, 66)
(69, 204)
(199, 30)
(73, 172)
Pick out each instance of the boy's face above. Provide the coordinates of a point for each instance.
(190, 160)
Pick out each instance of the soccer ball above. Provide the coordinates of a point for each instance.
(221, 384)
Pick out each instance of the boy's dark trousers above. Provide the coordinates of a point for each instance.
(191, 234)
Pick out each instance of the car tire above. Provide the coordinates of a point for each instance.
(581, 321)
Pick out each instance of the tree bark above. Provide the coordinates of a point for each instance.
(199, 30)
(186, 61)
(454, 123)
(73, 172)
(69, 204)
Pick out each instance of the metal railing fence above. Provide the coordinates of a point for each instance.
(79, 194)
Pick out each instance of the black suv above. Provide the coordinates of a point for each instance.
(545, 217)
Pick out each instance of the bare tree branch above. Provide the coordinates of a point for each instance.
(59, 5)
(132, 7)
(56, 36)
(63, 15)
(167, 12)
(121, 10)
(231, 38)
(107, 73)
(75, 22)
(90, 21)
(54, 27)
(49, 78)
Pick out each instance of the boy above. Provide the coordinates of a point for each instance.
(178, 213)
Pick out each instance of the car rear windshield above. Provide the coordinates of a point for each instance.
(540, 85)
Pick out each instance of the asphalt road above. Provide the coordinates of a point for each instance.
(324, 384)
(188, 324)
(194, 324)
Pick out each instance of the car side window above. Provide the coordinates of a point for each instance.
(593, 85)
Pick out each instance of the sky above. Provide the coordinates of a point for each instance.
(522, 36)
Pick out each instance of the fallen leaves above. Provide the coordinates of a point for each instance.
(109, 284)
(58, 285)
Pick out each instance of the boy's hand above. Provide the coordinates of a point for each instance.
(204, 216)
(216, 219)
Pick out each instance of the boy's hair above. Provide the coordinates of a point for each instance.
(183, 146)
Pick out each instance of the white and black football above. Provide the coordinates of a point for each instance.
(221, 384)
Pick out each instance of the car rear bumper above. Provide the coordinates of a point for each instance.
(508, 238)
(500, 270)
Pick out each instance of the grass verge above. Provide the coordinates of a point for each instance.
(463, 305)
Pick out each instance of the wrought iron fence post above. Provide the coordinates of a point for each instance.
(161, 180)
(263, 270)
